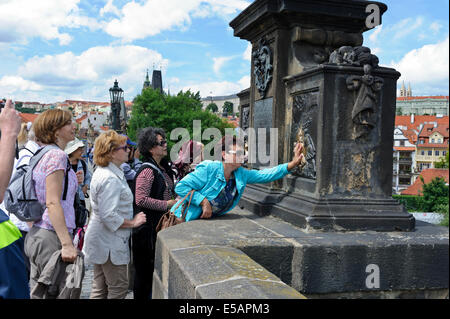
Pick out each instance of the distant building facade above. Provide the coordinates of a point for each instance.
(220, 101)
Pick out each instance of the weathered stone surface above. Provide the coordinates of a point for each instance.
(316, 264)
(221, 272)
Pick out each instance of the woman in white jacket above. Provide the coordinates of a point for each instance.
(106, 241)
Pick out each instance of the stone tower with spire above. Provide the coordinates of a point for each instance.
(405, 92)
(409, 91)
(146, 82)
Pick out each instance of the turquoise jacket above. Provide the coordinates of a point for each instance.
(208, 180)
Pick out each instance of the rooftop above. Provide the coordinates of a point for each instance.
(428, 175)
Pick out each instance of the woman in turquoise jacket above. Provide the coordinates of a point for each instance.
(219, 185)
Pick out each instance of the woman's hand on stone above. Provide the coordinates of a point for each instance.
(206, 209)
(298, 158)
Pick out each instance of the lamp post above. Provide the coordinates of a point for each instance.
(116, 94)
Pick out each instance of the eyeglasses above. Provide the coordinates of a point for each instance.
(125, 148)
(237, 153)
(162, 143)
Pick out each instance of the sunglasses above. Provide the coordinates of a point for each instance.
(162, 143)
(125, 148)
(237, 153)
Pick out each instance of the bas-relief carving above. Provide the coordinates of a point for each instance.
(245, 117)
(353, 173)
(366, 87)
(304, 114)
(262, 66)
(312, 47)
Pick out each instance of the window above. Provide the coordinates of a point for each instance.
(436, 153)
(422, 153)
(430, 153)
(432, 140)
(444, 153)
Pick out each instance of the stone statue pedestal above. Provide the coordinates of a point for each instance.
(312, 80)
(346, 184)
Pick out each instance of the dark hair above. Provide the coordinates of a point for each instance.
(225, 146)
(147, 139)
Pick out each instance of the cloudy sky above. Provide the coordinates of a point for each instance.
(53, 50)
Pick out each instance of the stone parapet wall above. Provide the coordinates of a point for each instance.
(242, 255)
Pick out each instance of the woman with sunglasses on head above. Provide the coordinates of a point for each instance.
(219, 185)
(106, 240)
(153, 187)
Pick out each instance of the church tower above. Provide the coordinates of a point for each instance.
(403, 90)
(409, 92)
(146, 82)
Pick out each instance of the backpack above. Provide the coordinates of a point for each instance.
(20, 197)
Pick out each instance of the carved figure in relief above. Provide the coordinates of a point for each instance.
(262, 63)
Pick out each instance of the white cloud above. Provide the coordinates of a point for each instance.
(427, 66)
(247, 55)
(25, 19)
(11, 85)
(217, 88)
(406, 27)
(244, 82)
(374, 35)
(91, 73)
(435, 27)
(148, 18)
(109, 8)
(219, 63)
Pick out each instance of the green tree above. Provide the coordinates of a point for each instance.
(444, 162)
(212, 107)
(227, 107)
(434, 193)
(152, 108)
(399, 111)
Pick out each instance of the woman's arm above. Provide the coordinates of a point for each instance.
(53, 188)
(144, 184)
(109, 193)
(10, 126)
(271, 174)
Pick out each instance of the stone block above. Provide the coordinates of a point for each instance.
(221, 272)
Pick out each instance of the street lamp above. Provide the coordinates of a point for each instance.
(116, 95)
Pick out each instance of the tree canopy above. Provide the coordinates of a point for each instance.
(212, 107)
(152, 108)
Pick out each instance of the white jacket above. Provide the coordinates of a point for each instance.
(111, 203)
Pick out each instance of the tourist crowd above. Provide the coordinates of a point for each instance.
(129, 186)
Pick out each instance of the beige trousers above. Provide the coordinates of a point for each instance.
(110, 281)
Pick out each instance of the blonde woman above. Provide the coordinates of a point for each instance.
(106, 241)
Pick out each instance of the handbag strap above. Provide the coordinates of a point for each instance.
(183, 213)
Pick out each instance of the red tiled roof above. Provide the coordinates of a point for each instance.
(405, 120)
(28, 117)
(430, 145)
(428, 175)
(412, 98)
(429, 129)
(104, 128)
(81, 119)
(404, 148)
